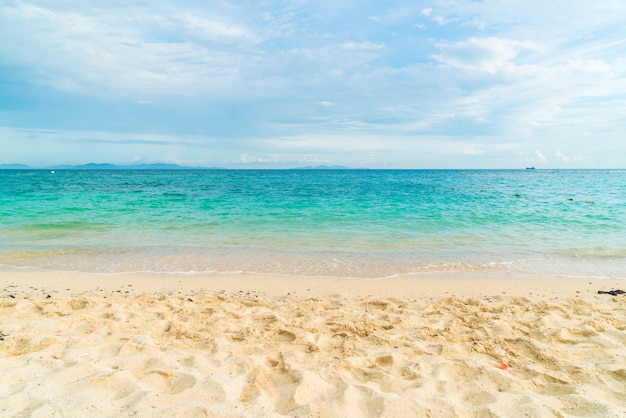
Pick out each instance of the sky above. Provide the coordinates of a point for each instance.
(277, 84)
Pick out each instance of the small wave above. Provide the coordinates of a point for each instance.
(599, 252)
(186, 261)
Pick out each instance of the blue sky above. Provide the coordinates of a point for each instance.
(394, 84)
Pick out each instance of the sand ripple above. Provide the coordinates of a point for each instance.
(238, 354)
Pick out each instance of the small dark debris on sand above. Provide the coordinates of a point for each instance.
(611, 292)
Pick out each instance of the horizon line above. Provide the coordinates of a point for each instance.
(174, 166)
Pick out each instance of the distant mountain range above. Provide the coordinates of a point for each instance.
(107, 166)
(157, 166)
(13, 167)
(103, 166)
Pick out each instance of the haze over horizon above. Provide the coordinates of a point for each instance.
(425, 84)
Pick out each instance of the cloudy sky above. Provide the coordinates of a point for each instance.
(393, 84)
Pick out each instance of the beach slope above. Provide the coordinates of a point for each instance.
(240, 346)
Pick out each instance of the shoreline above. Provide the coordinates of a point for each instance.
(270, 346)
(430, 286)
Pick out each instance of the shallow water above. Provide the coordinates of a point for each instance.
(346, 223)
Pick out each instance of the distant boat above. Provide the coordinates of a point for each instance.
(530, 168)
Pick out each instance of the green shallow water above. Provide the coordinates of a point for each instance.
(346, 223)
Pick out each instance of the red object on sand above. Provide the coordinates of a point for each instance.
(503, 365)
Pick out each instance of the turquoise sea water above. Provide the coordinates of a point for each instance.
(343, 223)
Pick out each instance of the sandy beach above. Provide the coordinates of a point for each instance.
(266, 346)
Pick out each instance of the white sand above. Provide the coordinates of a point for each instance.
(240, 346)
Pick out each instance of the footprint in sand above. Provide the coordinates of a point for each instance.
(284, 336)
(122, 384)
(169, 383)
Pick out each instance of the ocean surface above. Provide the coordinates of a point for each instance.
(341, 223)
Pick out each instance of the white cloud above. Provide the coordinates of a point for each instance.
(209, 27)
(245, 158)
(490, 55)
(362, 46)
(552, 21)
(592, 66)
(539, 156)
(86, 52)
(471, 149)
(258, 78)
(561, 156)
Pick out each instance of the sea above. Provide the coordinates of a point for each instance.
(367, 224)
